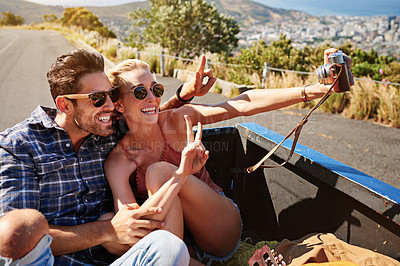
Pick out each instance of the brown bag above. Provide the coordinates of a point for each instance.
(318, 248)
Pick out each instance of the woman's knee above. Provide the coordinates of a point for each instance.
(157, 174)
(16, 226)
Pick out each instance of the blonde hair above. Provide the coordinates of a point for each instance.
(125, 66)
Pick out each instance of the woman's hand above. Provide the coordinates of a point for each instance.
(348, 61)
(194, 155)
(198, 86)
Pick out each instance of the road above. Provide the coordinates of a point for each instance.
(26, 57)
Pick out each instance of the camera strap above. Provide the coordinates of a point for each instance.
(296, 130)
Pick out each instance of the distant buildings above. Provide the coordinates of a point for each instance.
(381, 33)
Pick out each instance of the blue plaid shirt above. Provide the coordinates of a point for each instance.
(40, 170)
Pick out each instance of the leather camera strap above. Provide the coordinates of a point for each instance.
(297, 129)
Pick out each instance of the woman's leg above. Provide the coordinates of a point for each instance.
(211, 217)
(165, 195)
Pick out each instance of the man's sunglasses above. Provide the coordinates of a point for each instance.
(98, 98)
(140, 92)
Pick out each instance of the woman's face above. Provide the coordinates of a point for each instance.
(134, 110)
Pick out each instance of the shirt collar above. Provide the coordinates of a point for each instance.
(46, 115)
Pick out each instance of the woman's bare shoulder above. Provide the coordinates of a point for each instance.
(116, 158)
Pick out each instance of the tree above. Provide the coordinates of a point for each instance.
(184, 27)
(279, 54)
(83, 18)
(50, 18)
(11, 19)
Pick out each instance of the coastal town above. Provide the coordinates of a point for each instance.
(380, 33)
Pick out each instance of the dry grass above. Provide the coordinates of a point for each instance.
(365, 100)
(389, 105)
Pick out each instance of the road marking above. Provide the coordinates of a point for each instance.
(11, 43)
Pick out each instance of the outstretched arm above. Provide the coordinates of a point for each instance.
(192, 88)
(251, 102)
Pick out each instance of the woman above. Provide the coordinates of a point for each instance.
(211, 218)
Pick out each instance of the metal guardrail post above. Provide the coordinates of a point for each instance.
(207, 66)
(265, 74)
(162, 64)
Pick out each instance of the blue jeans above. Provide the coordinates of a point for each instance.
(157, 248)
(40, 255)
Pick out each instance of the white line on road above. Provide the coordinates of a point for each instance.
(11, 43)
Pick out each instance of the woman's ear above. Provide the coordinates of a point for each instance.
(119, 106)
(63, 104)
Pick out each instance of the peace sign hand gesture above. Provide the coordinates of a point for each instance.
(194, 155)
(196, 86)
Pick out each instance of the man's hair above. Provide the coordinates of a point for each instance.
(125, 66)
(66, 72)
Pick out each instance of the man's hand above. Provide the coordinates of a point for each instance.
(194, 155)
(200, 84)
(129, 225)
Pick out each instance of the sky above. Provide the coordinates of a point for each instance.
(312, 7)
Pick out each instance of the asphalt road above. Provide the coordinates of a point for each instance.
(26, 56)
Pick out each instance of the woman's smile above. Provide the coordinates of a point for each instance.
(149, 110)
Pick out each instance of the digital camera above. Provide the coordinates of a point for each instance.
(328, 73)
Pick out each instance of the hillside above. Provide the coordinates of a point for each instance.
(31, 12)
(245, 12)
(248, 13)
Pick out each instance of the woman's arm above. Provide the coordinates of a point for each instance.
(250, 102)
(194, 157)
(118, 169)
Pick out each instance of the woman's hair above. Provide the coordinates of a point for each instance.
(125, 66)
(66, 72)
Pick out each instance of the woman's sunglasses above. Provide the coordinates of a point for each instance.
(140, 92)
(98, 98)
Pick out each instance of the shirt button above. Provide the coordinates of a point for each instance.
(68, 145)
(85, 200)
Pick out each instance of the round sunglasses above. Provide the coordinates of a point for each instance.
(98, 98)
(140, 92)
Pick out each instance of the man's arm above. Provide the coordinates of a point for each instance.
(19, 189)
(192, 88)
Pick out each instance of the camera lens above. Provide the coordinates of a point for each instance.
(323, 74)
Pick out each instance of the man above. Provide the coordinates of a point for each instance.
(53, 162)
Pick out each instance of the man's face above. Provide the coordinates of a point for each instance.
(87, 117)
